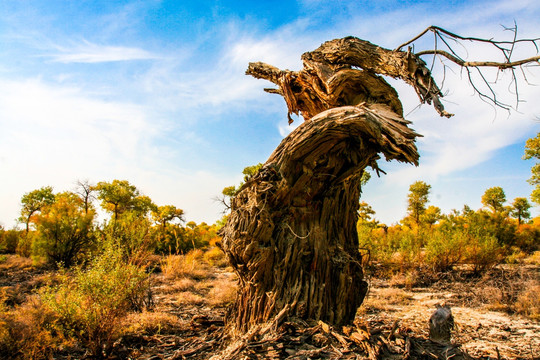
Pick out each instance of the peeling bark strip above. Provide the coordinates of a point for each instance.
(291, 235)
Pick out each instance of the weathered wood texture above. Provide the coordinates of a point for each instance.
(291, 235)
(344, 72)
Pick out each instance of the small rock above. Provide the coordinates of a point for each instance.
(441, 325)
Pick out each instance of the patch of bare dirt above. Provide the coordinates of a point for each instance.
(19, 278)
(483, 310)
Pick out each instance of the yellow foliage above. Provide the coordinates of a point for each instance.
(215, 257)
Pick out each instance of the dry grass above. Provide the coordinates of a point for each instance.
(150, 323)
(528, 303)
(16, 262)
(185, 266)
(510, 289)
(394, 296)
(385, 299)
(407, 280)
(222, 293)
(189, 298)
(184, 284)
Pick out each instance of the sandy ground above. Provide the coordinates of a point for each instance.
(481, 331)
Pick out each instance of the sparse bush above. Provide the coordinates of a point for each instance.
(444, 250)
(483, 253)
(90, 304)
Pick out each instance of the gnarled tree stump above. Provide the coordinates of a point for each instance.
(291, 235)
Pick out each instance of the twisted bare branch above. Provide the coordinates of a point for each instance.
(506, 48)
(500, 65)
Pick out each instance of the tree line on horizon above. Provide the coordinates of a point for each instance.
(61, 228)
(428, 239)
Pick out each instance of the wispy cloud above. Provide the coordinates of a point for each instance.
(53, 135)
(65, 122)
(87, 52)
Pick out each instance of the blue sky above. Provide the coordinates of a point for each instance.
(154, 92)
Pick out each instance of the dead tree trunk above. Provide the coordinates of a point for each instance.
(291, 235)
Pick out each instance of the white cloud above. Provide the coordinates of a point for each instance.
(222, 85)
(87, 52)
(54, 135)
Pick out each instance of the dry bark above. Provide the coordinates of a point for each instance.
(344, 72)
(291, 235)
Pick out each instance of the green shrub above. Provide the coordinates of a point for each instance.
(64, 231)
(409, 254)
(380, 243)
(444, 250)
(483, 253)
(91, 303)
(9, 239)
(24, 245)
(131, 232)
(528, 238)
(215, 257)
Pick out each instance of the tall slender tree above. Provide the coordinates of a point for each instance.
(417, 199)
(86, 191)
(520, 209)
